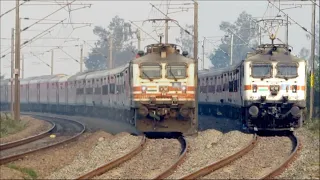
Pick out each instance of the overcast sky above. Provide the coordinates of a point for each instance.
(211, 13)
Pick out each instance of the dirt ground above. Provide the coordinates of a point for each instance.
(32, 127)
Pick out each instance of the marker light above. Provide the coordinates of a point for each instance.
(144, 89)
(184, 89)
(294, 88)
(254, 88)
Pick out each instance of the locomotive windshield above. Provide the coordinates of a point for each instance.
(261, 70)
(176, 71)
(287, 70)
(150, 71)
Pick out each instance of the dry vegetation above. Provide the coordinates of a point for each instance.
(10, 126)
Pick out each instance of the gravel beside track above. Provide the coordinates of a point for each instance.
(268, 154)
(33, 127)
(104, 151)
(156, 157)
(50, 160)
(208, 147)
(307, 164)
(8, 173)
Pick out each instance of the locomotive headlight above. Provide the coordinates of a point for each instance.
(294, 88)
(254, 88)
(184, 89)
(144, 88)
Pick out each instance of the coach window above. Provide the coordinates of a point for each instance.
(287, 70)
(150, 71)
(176, 71)
(261, 70)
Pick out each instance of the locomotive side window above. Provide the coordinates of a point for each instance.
(261, 70)
(287, 70)
(176, 71)
(150, 71)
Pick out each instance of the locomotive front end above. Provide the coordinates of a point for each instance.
(163, 91)
(275, 92)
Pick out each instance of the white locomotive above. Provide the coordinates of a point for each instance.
(267, 90)
(154, 92)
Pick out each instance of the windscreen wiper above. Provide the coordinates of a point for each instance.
(172, 74)
(146, 75)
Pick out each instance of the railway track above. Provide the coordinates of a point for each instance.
(210, 171)
(65, 131)
(139, 149)
(13, 144)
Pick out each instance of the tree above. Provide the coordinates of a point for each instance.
(121, 33)
(186, 39)
(244, 28)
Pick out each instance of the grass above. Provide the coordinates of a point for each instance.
(9, 126)
(314, 126)
(28, 171)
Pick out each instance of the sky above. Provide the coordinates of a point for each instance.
(87, 14)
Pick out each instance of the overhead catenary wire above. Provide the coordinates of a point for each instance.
(35, 37)
(45, 17)
(305, 29)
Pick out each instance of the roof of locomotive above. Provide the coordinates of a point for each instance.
(261, 55)
(154, 55)
(265, 54)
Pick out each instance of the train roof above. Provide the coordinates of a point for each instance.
(267, 53)
(154, 57)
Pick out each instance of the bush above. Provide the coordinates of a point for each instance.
(9, 126)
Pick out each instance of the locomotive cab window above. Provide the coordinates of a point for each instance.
(150, 71)
(176, 71)
(288, 70)
(261, 70)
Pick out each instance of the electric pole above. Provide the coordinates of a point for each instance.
(195, 54)
(22, 66)
(260, 35)
(139, 39)
(110, 52)
(166, 24)
(81, 57)
(51, 67)
(12, 71)
(313, 26)
(17, 65)
(287, 30)
(204, 39)
(231, 50)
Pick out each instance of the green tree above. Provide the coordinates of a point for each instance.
(123, 51)
(244, 39)
(186, 39)
(305, 53)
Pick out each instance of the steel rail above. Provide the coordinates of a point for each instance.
(281, 168)
(183, 155)
(106, 167)
(22, 155)
(223, 162)
(28, 139)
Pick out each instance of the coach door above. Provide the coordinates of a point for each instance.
(57, 92)
(38, 92)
